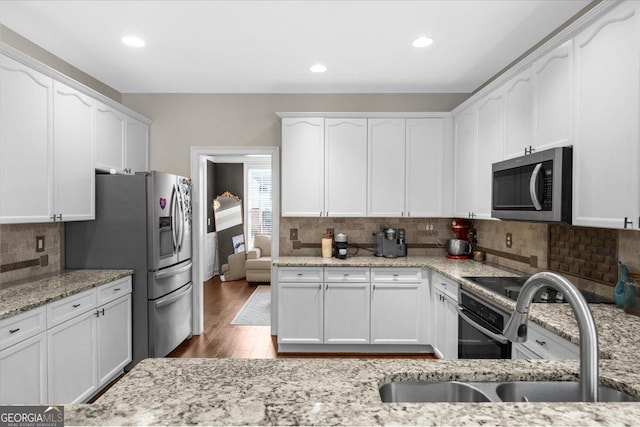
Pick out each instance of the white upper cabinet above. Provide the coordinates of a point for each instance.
(490, 149)
(607, 93)
(518, 99)
(424, 167)
(553, 83)
(110, 125)
(303, 166)
(136, 156)
(345, 167)
(386, 167)
(465, 163)
(26, 144)
(73, 146)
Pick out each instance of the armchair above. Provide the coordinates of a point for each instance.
(258, 264)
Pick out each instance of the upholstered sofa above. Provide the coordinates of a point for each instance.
(258, 263)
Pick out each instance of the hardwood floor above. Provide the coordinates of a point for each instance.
(220, 338)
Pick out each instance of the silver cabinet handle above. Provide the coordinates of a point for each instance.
(541, 342)
(116, 289)
(76, 305)
(13, 331)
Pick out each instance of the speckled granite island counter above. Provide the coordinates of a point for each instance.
(25, 295)
(345, 391)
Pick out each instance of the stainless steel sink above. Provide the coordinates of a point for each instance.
(420, 391)
(554, 391)
(481, 391)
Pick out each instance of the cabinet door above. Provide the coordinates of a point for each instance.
(439, 324)
(72, 367)
(606, 156)
(73, 147)
(518, 98)
(25, 144)
(346, 313)
(300, 313)
(451, 329)
(386, 167)
(424, 181)
(113, 338)
(136, 155)
(396, 313)
(345, 167)
(490, 149)
(23, 370)
(302, 166)
(465, 163)
(553, 85)
(109, 138)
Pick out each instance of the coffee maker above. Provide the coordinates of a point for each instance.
(340, 244)
(390, 243)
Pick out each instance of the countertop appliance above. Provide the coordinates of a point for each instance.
(461, 247)
(143, 222)
(390, 243)
(535, 187)
(480, 325)
(510, 288)
(340, 245)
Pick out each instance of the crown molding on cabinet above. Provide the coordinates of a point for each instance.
(562, 37)
(15, 54)
(365, 115)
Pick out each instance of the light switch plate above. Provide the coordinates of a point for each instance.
(39, 243)
(509, 240)
(293, 234)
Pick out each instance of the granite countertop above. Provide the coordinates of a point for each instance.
(336, 392)
(345, 391)
(19, 297)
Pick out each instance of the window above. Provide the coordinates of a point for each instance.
(258, 203)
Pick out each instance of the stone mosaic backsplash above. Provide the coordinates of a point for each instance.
(18, 243)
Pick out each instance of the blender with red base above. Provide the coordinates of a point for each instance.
(460, 247)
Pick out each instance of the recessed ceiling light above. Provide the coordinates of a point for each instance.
(318, 68)
(422, 42)
(133, 41)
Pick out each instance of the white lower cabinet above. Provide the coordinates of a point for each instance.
(352, 306)
(114, 338)
(300, 313)
(66, 351)
(72, 359)
(23, 370)
(445, 303)
(544, 344)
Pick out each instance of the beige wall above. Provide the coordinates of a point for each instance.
(184, 120)
(31, 49)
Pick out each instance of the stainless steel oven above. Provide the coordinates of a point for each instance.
(535, 187)
(480, 326)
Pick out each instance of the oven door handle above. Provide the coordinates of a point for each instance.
(500, 338)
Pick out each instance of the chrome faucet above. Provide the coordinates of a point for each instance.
(516, 329)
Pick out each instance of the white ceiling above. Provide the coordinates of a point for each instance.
(268, 46)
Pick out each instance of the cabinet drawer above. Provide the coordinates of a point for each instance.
(306, 274)
(70, 307)
(339, 274)
(549, 345)
(22, 326)
(404, 275)
(113, 290)
(444, 285)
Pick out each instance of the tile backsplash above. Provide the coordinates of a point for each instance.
(360, 231)
(18, 243)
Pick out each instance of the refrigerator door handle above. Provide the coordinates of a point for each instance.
(172, 272)
(182, 217)
(174, 222)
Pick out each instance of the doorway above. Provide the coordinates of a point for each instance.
(199, 157)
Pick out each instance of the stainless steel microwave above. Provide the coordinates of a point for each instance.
(535, 187)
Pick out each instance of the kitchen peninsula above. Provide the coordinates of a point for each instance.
(345, 392)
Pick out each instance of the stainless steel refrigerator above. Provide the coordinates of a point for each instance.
(143, 222)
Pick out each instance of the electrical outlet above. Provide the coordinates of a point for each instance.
(39, 243)
(509, 240)
(330, 231)
(293, 234)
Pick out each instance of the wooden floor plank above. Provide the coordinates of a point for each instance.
(222, 301)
